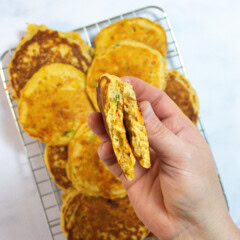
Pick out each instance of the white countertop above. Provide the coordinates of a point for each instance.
(208, 35)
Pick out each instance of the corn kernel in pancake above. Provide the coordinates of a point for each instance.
(55, 158)
(181, 92)
(41, 46)
(127, 58)
(138, 29)
(86, 217)
(53, 104)
(86, 171)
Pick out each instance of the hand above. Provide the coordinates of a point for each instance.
(180, 196)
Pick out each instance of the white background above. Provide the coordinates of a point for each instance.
(208, 35)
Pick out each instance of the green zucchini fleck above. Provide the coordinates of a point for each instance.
(91, 138)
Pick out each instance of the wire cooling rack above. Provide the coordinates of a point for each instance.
(49, 193)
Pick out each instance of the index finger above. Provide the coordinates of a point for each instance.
(162, 105)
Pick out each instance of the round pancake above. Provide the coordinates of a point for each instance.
(138, 29)
(127, 58)
(41, 46)
(55, 158)
(85, 217)
(181, 92)
(86, 171)
(53, 104)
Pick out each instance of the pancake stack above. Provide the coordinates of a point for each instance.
(54, 76)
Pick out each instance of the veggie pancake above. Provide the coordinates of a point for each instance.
(139, 29)
(127, 58)
(54, 104)
(86, 171)
(41, 46)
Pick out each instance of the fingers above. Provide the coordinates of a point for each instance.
(106, 154)
(163, 106)
(161, 139)
(95, 122)
(165, 109)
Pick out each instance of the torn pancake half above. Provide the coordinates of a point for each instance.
(124, 123)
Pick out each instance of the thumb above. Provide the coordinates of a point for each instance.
(161, 139)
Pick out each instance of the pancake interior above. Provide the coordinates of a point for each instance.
(110, 102)
(135, 127)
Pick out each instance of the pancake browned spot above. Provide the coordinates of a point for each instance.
(181, 92)
(41, 46)
(55, 158)
(85, 217)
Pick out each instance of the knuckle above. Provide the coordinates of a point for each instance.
(156, 129)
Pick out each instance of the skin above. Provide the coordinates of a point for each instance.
(180, 196)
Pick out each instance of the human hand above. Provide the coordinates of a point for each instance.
(180, 196)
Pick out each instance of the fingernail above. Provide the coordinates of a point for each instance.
(147, 111)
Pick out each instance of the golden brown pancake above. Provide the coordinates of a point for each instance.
(86, 171)
(53, 104)
(138, 29)
(41, 46)
(119, 107)
(181, 92)
(127, 58)
(55, 158)
(85, 217)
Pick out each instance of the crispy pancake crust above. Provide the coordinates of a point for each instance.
(55, 158)
(41, 46)
(110, 102)
(86, 171)
(85, 217)
(181, 92)
(127, 58)
(138, 29)
(53, 104)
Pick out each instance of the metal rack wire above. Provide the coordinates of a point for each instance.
(49, 193)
